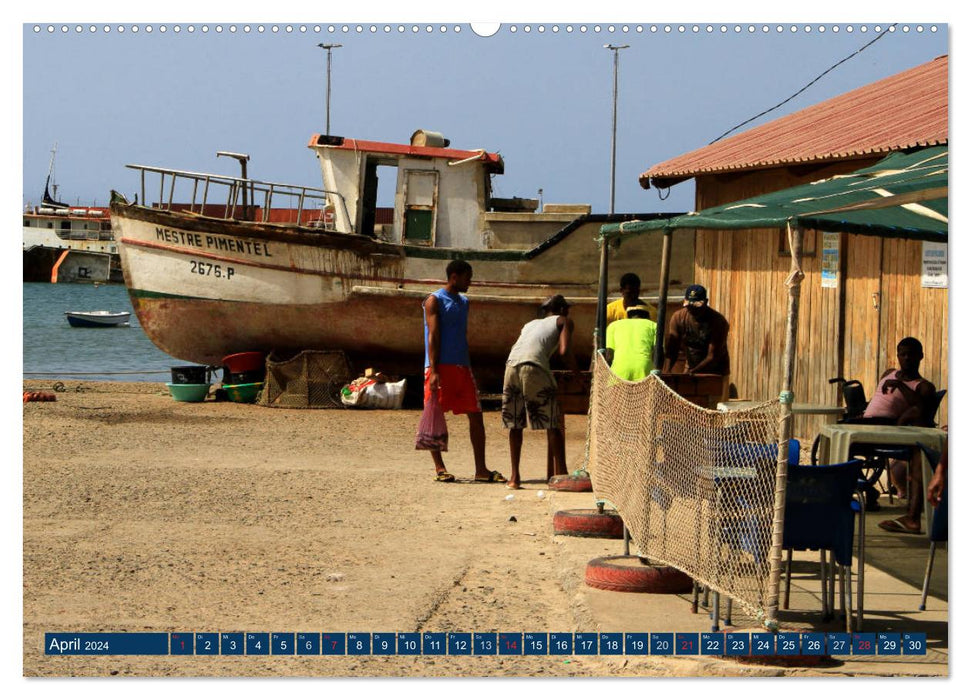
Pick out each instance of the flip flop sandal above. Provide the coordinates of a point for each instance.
(896, 526)
(445, 477)
(493, 478)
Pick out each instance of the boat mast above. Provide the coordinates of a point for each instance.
(48, 199)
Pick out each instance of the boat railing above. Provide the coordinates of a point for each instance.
(233, 198)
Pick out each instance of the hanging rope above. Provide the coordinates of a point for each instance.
(806, 86)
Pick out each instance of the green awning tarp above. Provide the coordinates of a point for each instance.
(902, 196)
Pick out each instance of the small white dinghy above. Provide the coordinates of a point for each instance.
(97, 319)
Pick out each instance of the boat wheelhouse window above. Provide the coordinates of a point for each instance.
(65, 225)
(377, 193)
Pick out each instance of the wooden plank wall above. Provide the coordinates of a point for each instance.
(745, 276)
(907, 309)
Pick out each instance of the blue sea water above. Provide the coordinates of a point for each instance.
(53, 349)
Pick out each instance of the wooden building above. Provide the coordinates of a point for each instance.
(849, 326)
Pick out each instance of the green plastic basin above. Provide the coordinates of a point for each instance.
(243, 393)
(188, 392)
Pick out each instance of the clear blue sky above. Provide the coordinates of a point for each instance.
(543, 100)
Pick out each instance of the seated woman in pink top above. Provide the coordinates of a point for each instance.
(903, 397)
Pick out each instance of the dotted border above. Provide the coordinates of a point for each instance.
(457, 29)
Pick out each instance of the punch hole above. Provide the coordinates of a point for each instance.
(484, 29)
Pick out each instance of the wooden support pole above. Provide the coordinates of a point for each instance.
(601, 331)
(793, 282)
(662, 300)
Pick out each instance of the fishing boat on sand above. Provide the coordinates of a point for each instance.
(211, 272)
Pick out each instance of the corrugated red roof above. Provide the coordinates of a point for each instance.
(493, 161)
(906, 110)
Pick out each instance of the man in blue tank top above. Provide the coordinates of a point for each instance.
(447, 371)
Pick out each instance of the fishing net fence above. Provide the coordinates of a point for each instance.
(311, 379)
(695, 487)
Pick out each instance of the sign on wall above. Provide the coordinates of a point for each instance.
(831, 260)
(934, 265)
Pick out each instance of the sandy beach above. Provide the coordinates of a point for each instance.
(145, 514)
(141, 513)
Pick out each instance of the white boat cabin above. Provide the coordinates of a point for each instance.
(442, 196)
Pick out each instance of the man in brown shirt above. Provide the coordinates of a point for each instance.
(701, 332)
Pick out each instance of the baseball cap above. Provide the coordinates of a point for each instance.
(695, 293)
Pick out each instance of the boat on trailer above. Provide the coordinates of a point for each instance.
(210, 272)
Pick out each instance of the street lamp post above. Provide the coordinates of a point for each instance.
(601, 328)
(328, 48)
(613, 133)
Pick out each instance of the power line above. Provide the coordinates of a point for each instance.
(806, 87)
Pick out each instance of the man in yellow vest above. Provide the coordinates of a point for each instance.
(630, 344)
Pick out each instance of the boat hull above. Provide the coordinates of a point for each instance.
(205, 288)
(82, 320)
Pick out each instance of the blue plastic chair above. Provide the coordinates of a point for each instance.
(820, 515)
(744, 533)
(938, 527)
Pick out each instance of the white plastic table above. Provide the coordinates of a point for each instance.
(834, 412)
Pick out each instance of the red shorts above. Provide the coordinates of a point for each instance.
(456, 389)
